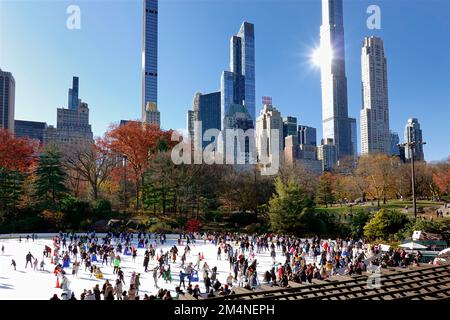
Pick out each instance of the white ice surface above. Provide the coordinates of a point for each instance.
(26, 284)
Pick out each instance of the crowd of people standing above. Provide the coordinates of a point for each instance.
(293, 260)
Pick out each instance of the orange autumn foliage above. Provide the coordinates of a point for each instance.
(16, 153)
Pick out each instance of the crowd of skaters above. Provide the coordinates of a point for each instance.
(304, 260)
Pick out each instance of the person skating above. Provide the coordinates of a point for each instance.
(207, 281)
(121, 276)
(137, 282)
(219, 253)
(75, 269)
(90, 295)
(167, 276)
(132, 293)
(28, 257)
(42, 265)
(199, 259)
(133, 278)
(146, 261)
(213, 275)
(182, 276)
(230, 280)
(3, 249)
(109, 292)
(96, 292)
(35, 264)
(118, 289)
(13, 263)
(116, 264)
(155, 277)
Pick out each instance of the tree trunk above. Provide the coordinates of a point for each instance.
(137, 193)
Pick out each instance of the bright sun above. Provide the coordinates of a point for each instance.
(320, 57)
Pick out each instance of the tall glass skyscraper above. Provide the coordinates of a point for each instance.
(335, 121)
(150, 57)
(238, 84)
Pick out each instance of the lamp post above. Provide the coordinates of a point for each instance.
(412, 146)
(125, 181)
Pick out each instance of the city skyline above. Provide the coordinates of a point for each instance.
(306, 114)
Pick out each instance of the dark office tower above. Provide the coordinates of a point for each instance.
(307, 135)
(30, 129)
(290, 128)
(335, 121)
(73, 94)
(205, 108)
(150, 113)
(7, 100)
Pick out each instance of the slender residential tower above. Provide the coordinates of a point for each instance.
(150, 111)
(335, 120)
(375, 134)
(73, 94)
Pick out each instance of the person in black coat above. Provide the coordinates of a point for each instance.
(207, 281)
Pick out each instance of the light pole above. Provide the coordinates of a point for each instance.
(125, 181)
(412, 146)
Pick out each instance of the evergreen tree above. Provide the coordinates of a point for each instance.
(11, 182)
(288, 207)
(50, 177)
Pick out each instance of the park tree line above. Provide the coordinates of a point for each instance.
(129, 172)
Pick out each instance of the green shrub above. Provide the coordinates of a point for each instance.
(213, 216)
(421, 225)
(103, 209)
(160, 227)
(86, 224)
(357, 221)
(243, 218)
(255, 228)
(385, 224)
(181, 221)
(75, 211)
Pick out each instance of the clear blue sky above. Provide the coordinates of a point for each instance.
(43, 55)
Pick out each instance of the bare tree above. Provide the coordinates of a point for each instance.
(92, 164)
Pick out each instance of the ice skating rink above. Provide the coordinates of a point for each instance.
(27, 284)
